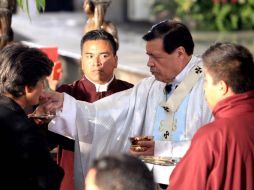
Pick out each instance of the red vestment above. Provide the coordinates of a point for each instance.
(221, 155)
(81, 90)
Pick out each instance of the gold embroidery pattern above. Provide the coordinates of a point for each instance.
(168, 126)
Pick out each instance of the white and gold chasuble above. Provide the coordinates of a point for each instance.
(103, 127)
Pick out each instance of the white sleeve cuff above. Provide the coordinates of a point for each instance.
(65, 121)
(171, 149)
(162, 148)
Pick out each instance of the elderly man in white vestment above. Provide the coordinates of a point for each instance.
(170, 105)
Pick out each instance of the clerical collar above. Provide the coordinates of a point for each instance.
(179, 78)
(101, 87)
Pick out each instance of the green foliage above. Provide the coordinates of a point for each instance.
(222, 15)
(163, 9)
(40, 5)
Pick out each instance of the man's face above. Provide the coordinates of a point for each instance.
(98, 61)
(33, 93)
(165, 67)
(212, 91)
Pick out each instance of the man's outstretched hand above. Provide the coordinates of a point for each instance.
(52, 101)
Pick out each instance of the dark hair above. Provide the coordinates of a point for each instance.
(174, 35)
(232, 63)
(20, 66)
(10, 35)
(99, 35)
(122, 172)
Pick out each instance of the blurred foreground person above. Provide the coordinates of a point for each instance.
(25, 160)
(119, 172)
(221, 155)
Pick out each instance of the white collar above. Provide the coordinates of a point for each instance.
(179, 78)
(101, 87)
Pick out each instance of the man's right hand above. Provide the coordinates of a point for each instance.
(53, 101)
(50, 102)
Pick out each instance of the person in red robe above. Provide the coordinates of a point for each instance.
(221, 155)
(98, 61)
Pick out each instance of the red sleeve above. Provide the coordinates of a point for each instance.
(193, 169)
